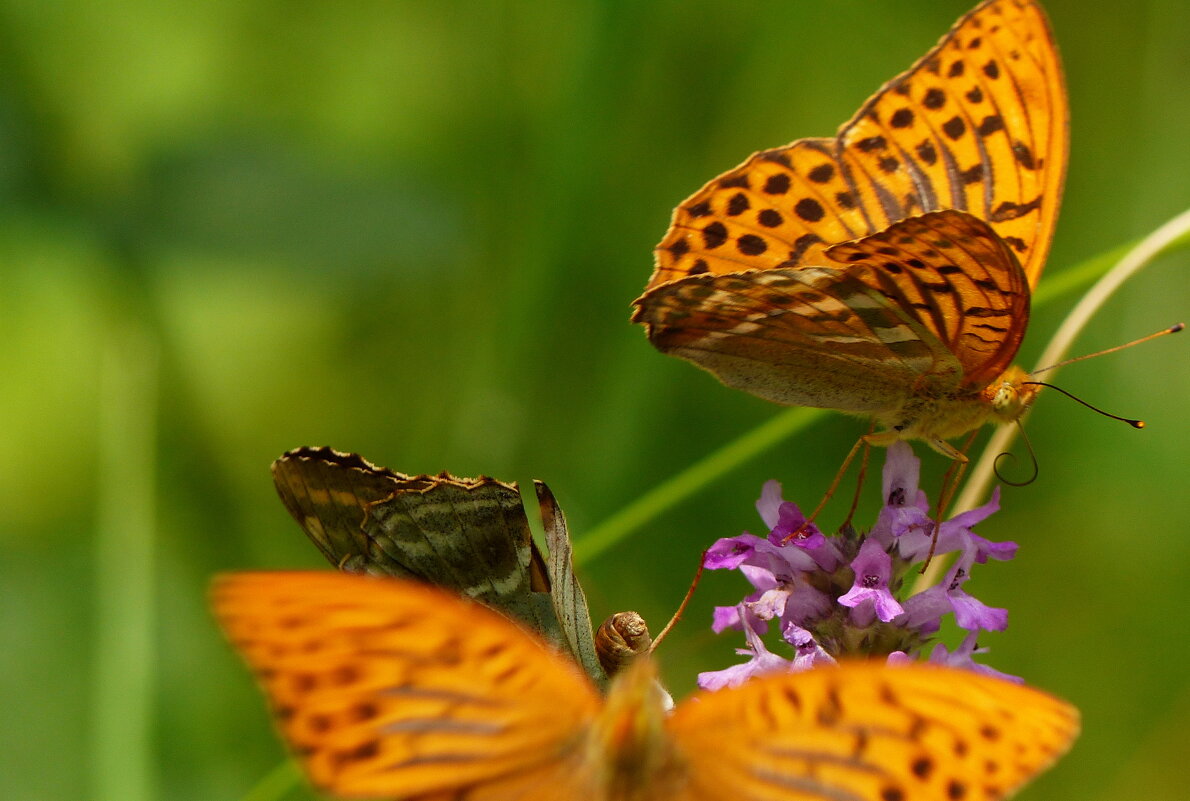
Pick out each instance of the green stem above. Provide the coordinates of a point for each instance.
(122, 756)
(670, 493)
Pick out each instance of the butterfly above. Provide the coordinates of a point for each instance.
(393, 689)
(887, 271)
(469, 535)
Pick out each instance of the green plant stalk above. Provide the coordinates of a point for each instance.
(124, 670)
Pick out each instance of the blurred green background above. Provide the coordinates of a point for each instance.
(413, 230)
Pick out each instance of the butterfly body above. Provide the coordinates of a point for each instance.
(936, 419)
(392, 689)
(886, 272)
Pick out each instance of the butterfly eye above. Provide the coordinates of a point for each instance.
(1006, 400)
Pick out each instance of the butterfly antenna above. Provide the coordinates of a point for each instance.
(673, 621)
(1010, 455)
(1133, 423)
(1173, 329)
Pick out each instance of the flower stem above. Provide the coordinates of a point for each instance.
(1172, 235)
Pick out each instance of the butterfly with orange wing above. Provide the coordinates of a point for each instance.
(397, 690)
(886, 271)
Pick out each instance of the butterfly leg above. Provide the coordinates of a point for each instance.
(946, 449)
(859, 483)
(702, 559)
(950, 484)
(830, 491)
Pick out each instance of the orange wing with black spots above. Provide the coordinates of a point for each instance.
(978, 124)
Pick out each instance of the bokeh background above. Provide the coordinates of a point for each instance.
(413, 230)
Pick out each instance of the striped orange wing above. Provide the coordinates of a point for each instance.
(393, 689)
(869, 731)
(934, 303)
(954, 276)
(978, 124)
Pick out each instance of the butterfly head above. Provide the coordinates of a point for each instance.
(1011, 394)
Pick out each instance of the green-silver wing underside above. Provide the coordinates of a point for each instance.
(468, 535)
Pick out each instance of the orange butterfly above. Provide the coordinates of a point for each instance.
(886, 271)
(392, 689)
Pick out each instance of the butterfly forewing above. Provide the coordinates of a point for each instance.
(395, 690)
(977, 124)
(869, 731)
(329, 493)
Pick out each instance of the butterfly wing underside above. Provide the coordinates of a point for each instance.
(869, 731)
(978, 124)
(397, 690)
(468, 535)
(566, 594)
(933, 303)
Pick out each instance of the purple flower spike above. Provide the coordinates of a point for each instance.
(873, 569)
(826, 611)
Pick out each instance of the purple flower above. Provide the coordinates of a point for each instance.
(761, 661)
(956, 535)
(925, 610)
(785, 519)
(746, 549)
(809, 652)
(905, 510)
(842, 595)
(961, 658)
(872, 567)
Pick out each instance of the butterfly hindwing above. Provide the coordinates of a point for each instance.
(950, 273)
(869, 731)
(936, 302)
(566, 593)
(471, 536)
